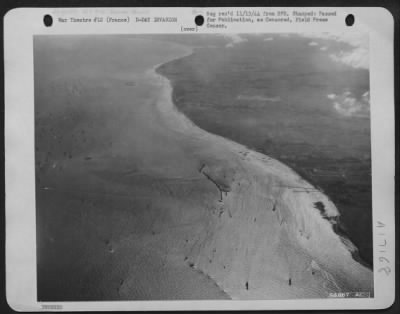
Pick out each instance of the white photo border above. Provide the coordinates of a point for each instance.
(21, 24)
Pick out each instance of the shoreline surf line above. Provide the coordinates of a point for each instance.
(337, 225)
(179, 122)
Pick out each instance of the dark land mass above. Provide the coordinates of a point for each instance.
(272, 97)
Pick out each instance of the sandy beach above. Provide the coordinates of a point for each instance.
(135, 202)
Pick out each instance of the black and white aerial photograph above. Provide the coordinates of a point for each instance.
(203, 166)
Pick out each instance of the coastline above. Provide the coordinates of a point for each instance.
(254, 159)
(337, 224)
(334, 219)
